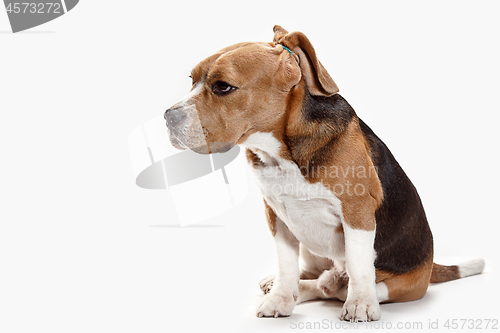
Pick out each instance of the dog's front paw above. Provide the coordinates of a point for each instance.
(275, 305)
(360, 310)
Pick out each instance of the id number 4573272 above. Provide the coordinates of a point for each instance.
(34, 8)
(477, 324)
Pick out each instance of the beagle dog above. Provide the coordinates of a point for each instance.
(333, 192)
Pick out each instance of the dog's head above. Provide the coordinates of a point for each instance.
(245, 88)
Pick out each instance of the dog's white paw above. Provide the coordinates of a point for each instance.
(277, 305)
(266, 283)
(330, 282)
(327, 285)
(360, 310)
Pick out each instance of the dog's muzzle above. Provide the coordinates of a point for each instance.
(174, 117)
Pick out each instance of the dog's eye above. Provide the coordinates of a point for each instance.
(222, 88)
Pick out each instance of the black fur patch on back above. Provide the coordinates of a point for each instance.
(403, 238)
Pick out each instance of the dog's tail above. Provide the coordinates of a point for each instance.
(442, 273)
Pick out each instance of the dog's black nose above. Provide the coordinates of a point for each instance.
(174, 117)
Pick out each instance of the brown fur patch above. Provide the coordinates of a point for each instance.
(442, 273)
(271, 218)
(253, 158)
(409, 286)
(361, 192)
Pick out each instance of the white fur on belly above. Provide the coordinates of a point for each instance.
(311, 212)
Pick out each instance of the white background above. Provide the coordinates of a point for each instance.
(82, 249)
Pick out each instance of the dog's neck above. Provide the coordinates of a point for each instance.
(314, 124)
(310, 129)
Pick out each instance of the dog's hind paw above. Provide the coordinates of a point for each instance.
(266, 283)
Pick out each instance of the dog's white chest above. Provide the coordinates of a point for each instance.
(310, 211)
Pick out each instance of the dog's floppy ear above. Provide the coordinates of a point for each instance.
(279, 33)
(317, 79)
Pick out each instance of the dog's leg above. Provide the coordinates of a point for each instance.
(309, 291)
(312, 266)
(362, 301)
(333, 283)
(329, 284)
(283, 296)
(267, 283)
(333, 280)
